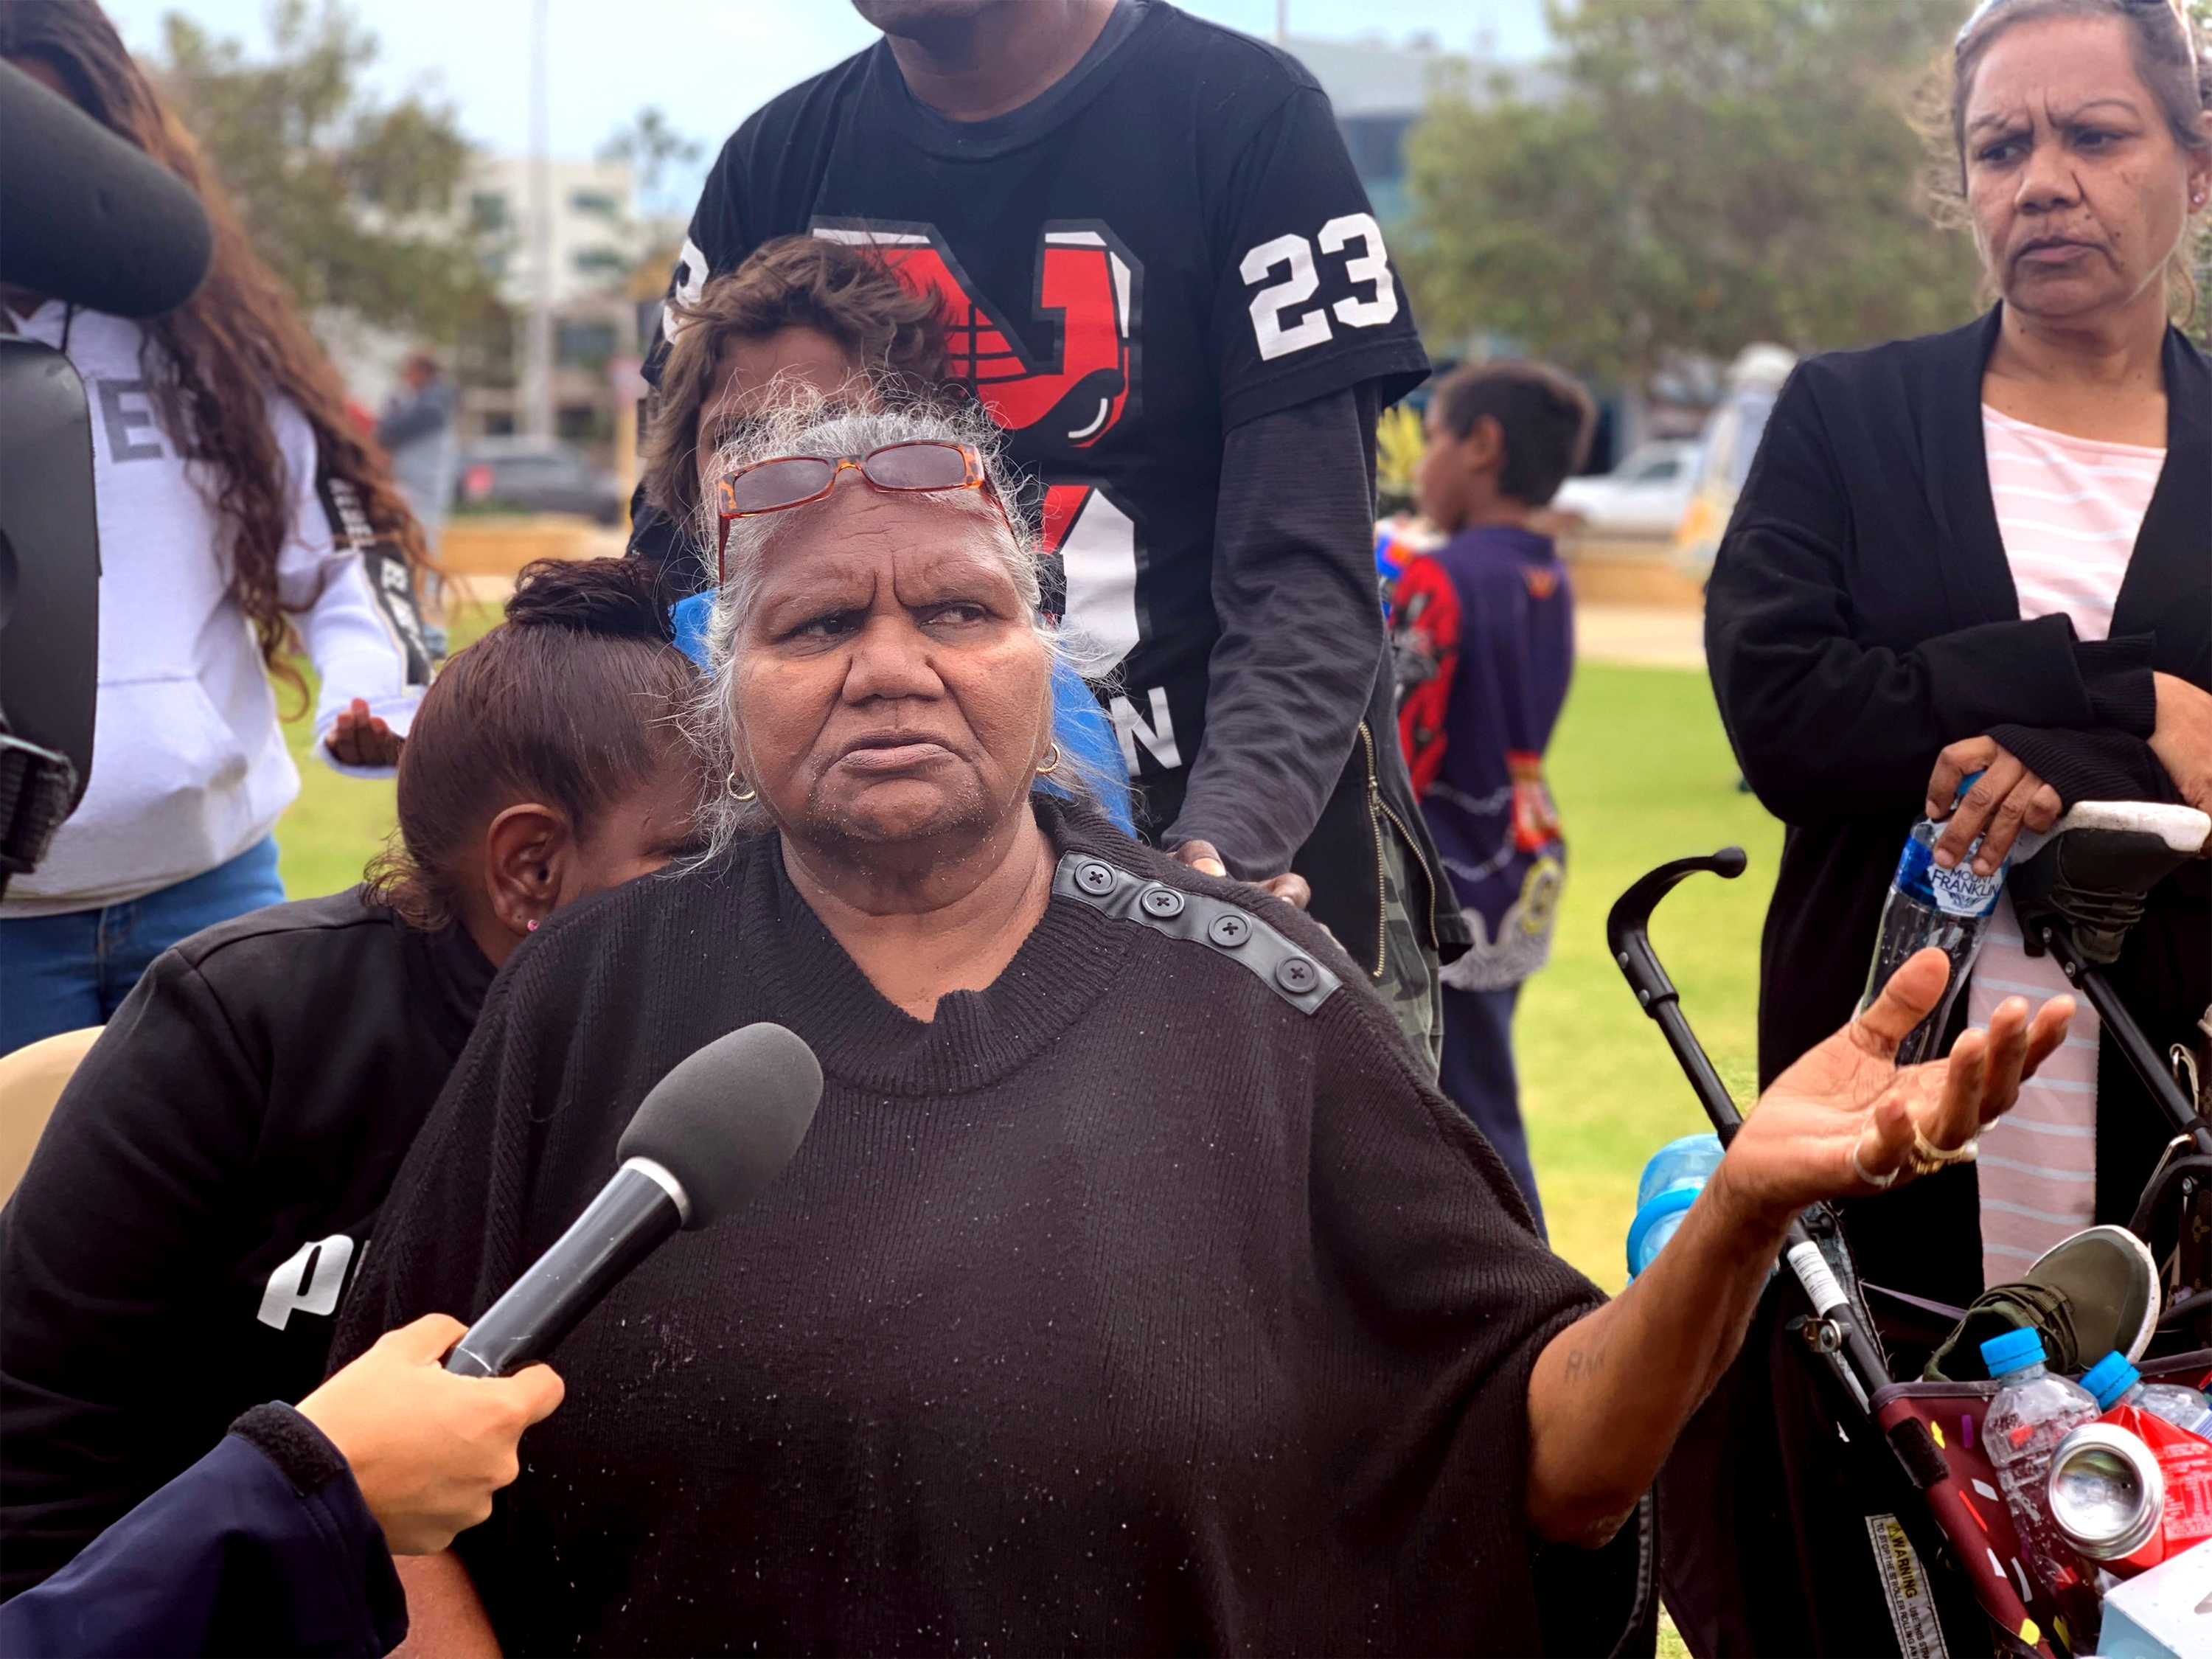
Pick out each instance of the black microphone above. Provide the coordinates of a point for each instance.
(89, 217)
(711, 1135)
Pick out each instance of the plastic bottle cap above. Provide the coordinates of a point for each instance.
(2109, 1378)
(2014, 1351)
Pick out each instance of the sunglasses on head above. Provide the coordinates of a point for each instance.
(926, 466)
(2173, 7)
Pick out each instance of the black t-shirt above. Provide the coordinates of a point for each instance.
(176, 1251)
(1168, 244)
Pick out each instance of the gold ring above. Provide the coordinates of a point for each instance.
(1926, 1157)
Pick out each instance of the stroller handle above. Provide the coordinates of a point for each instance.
(1628, 936)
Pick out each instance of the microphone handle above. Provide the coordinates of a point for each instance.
(633, 1213)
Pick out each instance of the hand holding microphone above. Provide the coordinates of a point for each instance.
(428, 1448)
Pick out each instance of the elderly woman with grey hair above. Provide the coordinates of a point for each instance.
(1133, 1290)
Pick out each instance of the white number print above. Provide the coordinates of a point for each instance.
(1370, 265)
(1373, 265)
(1269, 304)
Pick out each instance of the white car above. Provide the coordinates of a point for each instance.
(1645, 495)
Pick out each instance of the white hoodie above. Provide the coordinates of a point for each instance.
(189, 765)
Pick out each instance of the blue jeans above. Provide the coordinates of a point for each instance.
(1477, 1076)
(65, 972)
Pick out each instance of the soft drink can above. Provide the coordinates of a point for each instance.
(2107, 1491)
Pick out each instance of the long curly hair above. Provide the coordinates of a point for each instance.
(235, 343)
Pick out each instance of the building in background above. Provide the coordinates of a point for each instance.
(596, 243)
(1379, 88)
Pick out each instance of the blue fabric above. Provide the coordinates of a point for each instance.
(226, 1558)
(1085, 736)
(1476, 1075)
(65, 972)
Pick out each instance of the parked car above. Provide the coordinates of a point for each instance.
(532, 475)
(1645, 495)
(1730, 441)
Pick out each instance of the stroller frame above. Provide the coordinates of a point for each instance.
(1932, 1430)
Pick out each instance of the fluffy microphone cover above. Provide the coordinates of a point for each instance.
(729, 1117)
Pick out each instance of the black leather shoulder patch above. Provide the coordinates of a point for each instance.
(1282, 966)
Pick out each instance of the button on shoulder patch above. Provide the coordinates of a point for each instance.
(1282, 966)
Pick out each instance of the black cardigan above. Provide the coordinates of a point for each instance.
(1860, 616)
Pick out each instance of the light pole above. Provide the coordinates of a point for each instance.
(537, 348)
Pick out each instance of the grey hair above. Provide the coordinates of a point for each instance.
(800, 420)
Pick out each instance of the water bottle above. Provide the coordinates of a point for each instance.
(1670, 1183)
(1928, 905)
(2113, 1381)
(2032, 1413)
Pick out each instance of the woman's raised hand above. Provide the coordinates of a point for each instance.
(2005, 800)
(1845, 1121)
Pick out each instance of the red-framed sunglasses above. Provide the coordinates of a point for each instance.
(925, 466)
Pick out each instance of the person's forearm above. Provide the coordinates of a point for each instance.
(1291, 677)
(1611, 1392)
(446, 1617)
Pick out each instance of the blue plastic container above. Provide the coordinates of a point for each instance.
(1670, 1183)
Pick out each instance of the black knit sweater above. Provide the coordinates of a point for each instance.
(1146, 1300)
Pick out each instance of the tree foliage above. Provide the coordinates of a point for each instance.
(655, 151)
(351, 198)
(1696, 175)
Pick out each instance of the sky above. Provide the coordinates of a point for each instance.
(733, 55)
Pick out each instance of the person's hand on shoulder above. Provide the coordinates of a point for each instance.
(1205, 858)
(361, 739)
(2183, 738)
(428, 1448)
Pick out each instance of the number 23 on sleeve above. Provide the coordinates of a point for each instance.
(1368, 269)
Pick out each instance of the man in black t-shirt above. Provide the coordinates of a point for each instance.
(1164, 279)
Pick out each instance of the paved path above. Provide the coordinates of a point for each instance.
(1647, 637)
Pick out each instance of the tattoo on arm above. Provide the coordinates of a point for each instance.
(1584, 1363)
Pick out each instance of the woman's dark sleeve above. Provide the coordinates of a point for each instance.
(1443, 1296)
(114, 1228)
(448, 1237)
(1825, 726)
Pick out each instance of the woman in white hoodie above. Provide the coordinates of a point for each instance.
(238, 511)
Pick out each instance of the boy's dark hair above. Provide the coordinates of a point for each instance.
(893, 330)
(571, 702)
(1545, 415)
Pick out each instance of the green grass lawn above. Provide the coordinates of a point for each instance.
(1642, 773)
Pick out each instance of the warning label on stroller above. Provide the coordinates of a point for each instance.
(1905, 1586)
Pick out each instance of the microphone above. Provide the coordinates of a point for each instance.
(91, 218)
(710, 1136)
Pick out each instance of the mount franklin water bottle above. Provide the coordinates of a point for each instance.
(1929, 905)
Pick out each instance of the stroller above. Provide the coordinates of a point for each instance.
(1907, 1501)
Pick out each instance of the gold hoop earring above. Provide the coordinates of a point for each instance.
(1052, 763)
(730, 783)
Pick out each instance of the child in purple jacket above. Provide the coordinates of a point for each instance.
(1483, 630)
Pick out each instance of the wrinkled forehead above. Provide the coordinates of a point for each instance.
(2058, 68)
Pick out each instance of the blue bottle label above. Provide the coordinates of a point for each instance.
(1957, 891)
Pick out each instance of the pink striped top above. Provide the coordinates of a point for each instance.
(2069, 510)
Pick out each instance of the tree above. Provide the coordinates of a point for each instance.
(1707, 174)
(352, 200)
(653, 148)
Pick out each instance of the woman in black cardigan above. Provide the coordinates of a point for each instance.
(1863, 623)
(1862, 614)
